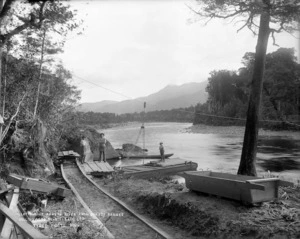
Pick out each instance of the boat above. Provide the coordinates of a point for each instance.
(151, 156)
(248, 189)
(158, 169)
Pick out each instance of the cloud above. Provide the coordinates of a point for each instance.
(139, 47)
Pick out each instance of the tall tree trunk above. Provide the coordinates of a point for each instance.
(40, 76)
(5, 81)
(1, 126)
(248, 158)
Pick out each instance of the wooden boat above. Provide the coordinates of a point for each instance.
(170, 167)
(247, 189)
(151, 156)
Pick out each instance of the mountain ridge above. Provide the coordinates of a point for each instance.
(169, 97)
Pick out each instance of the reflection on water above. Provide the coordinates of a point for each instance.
(218, 152)
(280, 164)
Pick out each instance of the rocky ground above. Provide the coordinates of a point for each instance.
(191, 215)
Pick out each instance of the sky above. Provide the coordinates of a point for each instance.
(132, 48)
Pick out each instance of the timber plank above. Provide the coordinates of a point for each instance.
(131, 169)
(28, 230)
(137, 168)
(36, 185)
(6, 190)
(93, 166)
(8, 226)
(104, 166)
(100, 166)
(87, 168)
(109, 168)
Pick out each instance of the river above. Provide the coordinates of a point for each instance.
(213, 148)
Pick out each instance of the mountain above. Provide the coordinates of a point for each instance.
(95, 106)
(170, 97)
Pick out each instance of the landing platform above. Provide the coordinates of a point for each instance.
(158, 169)
(97, 168)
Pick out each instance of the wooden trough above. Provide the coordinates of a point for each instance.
(247, 189)
(37, 185)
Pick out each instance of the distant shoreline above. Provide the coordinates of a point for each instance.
(238, 130)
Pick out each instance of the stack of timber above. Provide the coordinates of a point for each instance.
(247, 189)
(97, 168)
(12, 223)
(67, 156)
(159, 169)
(38, 185)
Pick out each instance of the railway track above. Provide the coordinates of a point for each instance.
(119, 220)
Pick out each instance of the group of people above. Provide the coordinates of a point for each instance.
(87, 152)
(89, 156)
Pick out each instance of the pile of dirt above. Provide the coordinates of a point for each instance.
(186, 216)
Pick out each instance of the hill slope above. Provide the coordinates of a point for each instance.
(170, 97)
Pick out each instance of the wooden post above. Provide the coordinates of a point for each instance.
(26, 229)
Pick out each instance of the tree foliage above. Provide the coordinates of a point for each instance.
(262, 17)
(104, 119)
(32, 81)
(228, 92)
(284, 14)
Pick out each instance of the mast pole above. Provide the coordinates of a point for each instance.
(143, 128)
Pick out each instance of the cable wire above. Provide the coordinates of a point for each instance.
(186, 111)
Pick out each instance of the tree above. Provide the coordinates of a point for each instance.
(281, 84)
(34, 22)
(16, 17)
(274, 16)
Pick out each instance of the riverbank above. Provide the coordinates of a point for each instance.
(184, 214)
(239, 131)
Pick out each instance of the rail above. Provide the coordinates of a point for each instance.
(126, 207)
(92, 215)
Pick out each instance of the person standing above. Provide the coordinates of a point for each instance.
(87, 153)
(102, 147)
(162, 152)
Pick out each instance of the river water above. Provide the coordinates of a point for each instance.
(214, 148)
